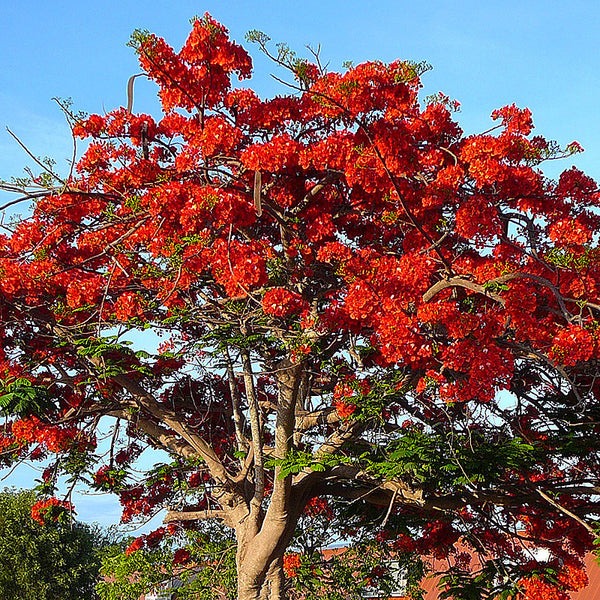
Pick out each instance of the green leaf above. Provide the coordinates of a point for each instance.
(21, 397)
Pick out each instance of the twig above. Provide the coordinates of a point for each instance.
(389, 509)
(567, 512)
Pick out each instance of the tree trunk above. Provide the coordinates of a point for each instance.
(262, 584)
(260, 565)
(274, 586)
(265, 532)
(269, 585)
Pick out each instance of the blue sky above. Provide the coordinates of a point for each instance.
(543, 54)
(539, 53)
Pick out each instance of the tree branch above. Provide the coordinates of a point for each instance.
(194, 515)
(436, 288)
(257, 437)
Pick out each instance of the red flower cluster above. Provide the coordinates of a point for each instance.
(535, 588)
(280, 302)
(291, 564)
(107, 478)
(150, 540)
(50, 510)
(438, 538)
(239, 267)
(128, 306)
(514, 119)
(85, 291)
(137, 544)
(344, 409)
(140, 500)
(318, 507)
(345, 396)
(55, 438)
(572, 345)
(201, 72)
(181, 556)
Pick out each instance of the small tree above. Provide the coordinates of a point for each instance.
(58, 561)
(201, 566)
(358, 304)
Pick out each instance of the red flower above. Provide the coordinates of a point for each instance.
(128, 306)
(404, 543)
(515, 120)
(50, 510)
(536, 589)
(181, 556)
(570, 232)
(291, 563)
(85, 292)
(572, 345)
(280, 302)
(136, 545)
(344, 409)
(154, 538)
(318, 507)
(573, 577)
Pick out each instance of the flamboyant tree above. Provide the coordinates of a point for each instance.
(365, 314)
